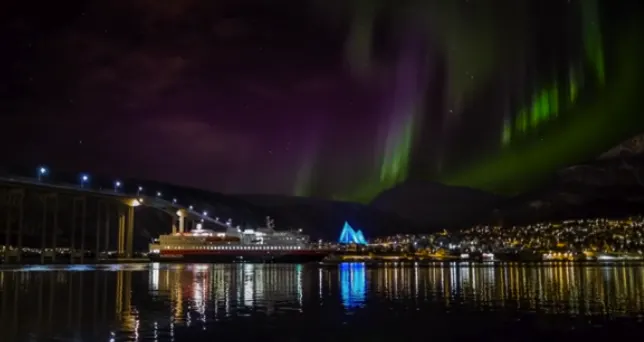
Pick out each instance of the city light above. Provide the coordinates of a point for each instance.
(567, 240)
(83, 180)
(134, 202)
(42, 171)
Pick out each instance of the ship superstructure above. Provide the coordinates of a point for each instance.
(235, 244)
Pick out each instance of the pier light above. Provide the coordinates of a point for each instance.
(199, 226)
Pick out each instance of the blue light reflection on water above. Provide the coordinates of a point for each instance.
(35, 268)
(49, 268)
(353, 284)
(78, 268)
(74, 268)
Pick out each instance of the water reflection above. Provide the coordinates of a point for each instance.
(352, 284)
(165, 302)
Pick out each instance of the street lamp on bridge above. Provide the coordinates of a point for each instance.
(83, 179)
(42, 171)
(191, 208)
(159, 194)
(174, 201)
(205, 213)
(138, 190)
(117, 185)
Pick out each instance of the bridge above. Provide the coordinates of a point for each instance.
(19, 195)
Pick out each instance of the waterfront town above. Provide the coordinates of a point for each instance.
(584, 239)
(594, 239)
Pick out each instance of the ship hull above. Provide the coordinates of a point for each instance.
(205, 257)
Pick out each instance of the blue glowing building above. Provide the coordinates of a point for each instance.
(350, 236)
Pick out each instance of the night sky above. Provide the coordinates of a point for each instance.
(339, 99)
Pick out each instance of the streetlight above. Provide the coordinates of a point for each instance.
(191, 208)
(205, 213)
(138, 190)
(174, 201)
(42, 171)
(117, 185)
(159, 194)
(83, 179)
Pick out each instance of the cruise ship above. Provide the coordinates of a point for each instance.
(236, 245)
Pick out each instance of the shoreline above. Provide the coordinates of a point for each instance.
(334, 263)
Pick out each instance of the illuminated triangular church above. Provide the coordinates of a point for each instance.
(350, 236)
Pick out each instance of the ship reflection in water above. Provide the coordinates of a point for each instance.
(295, 302)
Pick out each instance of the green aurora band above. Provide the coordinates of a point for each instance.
(559, 127)
(583, 130)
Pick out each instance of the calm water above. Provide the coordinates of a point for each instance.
(350, 302)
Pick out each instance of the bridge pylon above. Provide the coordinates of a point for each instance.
(125, 242)
(79, 218)
(14, 206)
(47, 212)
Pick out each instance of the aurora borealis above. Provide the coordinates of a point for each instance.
(336, 99)
(547, 123)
